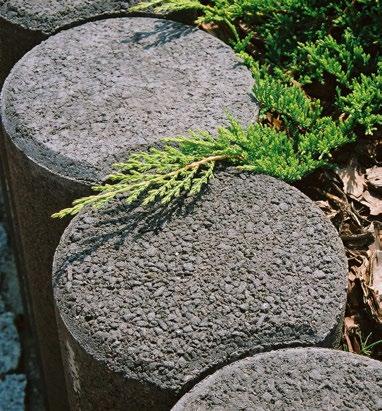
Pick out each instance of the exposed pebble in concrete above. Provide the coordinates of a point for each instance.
(251, 266)
(88, 96)
(293, 379)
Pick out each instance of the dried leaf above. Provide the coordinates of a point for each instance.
(374, 178)
(376, 273)
(327, 209)
(353, 180)
(375, 276)
(350, 334)
(357, 241)
(274, 121)
(374, 296)
(351, 277)
(373, 201)
(361, 269)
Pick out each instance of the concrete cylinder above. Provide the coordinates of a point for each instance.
(150, 301)
(293, 379)
(86, 98)
(25, 23)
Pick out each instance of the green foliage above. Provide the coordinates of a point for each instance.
(293, 48)
(343, 60)
(160, 6)
(366, 347)
(288, 101)
(184, 164)
(364, 17)
(363, 104)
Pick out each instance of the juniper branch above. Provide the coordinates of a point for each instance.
(183, 166)
(295, 133)
(159, 6)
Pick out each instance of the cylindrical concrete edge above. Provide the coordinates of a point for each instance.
(79, 354)
(30, 184)
(254, 382)
(38, 191)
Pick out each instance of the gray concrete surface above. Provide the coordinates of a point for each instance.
(49, 16)
(150, 302)
(293, 379)
(86, 98)
(25, 23)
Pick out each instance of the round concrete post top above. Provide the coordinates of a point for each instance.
(49, 16)
(167, 296)
(297, 379)
(86, 97)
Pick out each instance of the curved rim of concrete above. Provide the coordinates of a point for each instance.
(340, 359)
(50, 24)
(86, 174)
(86, 343)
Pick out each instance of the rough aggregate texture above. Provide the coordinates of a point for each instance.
(48, 16)
(12, 392)
(9, 343)
(166, 298)
(88, 96)
(294, 379)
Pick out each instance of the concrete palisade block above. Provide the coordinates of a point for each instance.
(150, 301)
(86, 98)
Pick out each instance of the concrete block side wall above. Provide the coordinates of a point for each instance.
(15, 41)
(92, 386)
(30, 187)
(334, 338)
(87, 391)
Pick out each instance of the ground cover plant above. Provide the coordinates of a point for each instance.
(318, 79)
(318, 75)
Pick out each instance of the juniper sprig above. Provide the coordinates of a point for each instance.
(160, 6)
(291, 47)
(363, 104)
(184, 164)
